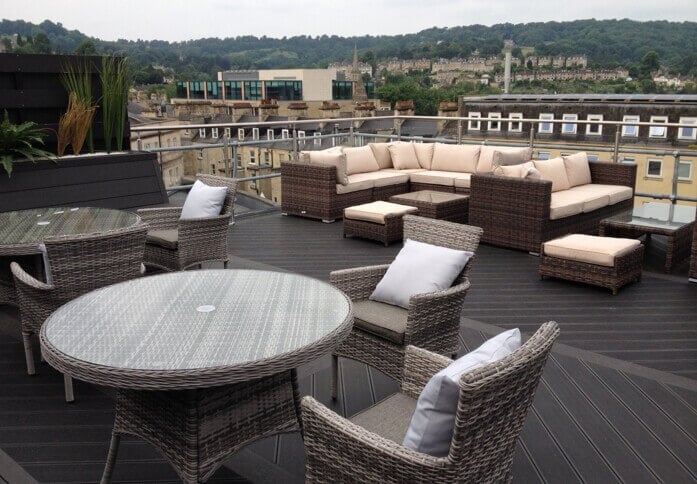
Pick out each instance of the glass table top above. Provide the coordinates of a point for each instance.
(657, 215)
(30, 227)
(197, 319)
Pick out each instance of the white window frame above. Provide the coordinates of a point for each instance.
(285, 134)
(199, 154)
(255, 134)
(681, 132)
(648, 164)
(628, 160)
(301, 138)
(689, 170)
(631, 118)
(573, 126)
(252, 158)
(543, 155)
(227, 132)
(270, 135)
(474, 125)
(214, 133)
(316, 138)
(657, 131)
(550, 126)
(494, 125)
(240, 134)
(590, 128)
(593, 157)
(202, 132)
(267, 157)
(519, 125)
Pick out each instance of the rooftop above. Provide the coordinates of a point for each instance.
(617, 403)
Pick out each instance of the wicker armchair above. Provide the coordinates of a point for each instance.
(174, 245)
(432, 320)
(79, 264)
(493, 403)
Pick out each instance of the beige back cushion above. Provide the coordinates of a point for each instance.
(517, 171)
(554, 171)
(382, 154)
(403, 155)
(328, 157)
(460, 158)
(577, 169)
(360, 160)
(424, 154)
(506, 155)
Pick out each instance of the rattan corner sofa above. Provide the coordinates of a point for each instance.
(321, 187)
(524, 212)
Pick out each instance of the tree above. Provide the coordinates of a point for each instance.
(649, 63)
(87, 47)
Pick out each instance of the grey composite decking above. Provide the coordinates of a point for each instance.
(595, 418)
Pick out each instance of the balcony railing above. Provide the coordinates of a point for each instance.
(354, 137)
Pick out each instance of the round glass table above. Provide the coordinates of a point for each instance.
(204, 362)
(22, 233)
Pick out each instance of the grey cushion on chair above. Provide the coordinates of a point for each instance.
(384, 320)
(388, 418)
(169, 239)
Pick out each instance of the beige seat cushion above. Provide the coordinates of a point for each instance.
(435, 177)
(578, 171)
(169, 239)
(389, 418)
(596, 196)
(357, 182)
(403, 155)
(382, 154)
(424, 154)
(405, 171)
(360, 160)
(376, 211)
(463, 180)
(459, 158)
(590, 248)
(565, 204)
(491, 156)
(381, 319)
(554, 170)
(615, 193)
(384, 178)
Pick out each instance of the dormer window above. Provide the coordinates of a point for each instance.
(546, 128)
(594, 129)
(658, 131)
(317, 139)
(688, 132)
(494, 125)
(269, 134)
(255, 133)
(284, 134)
(630, 130)
(569, 128)
(240, 134)
(202, 132)
(214, 133)
(515, 126)
(474, 124)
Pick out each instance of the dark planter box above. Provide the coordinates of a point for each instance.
(116, 180)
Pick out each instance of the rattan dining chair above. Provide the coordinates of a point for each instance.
(175, 245)
(381, 332)
(491, 409)
(78, 264)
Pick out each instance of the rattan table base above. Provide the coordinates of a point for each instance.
(196, 430)
(678, 241)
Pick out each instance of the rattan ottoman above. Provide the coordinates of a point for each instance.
(381, 221)
(601, 261)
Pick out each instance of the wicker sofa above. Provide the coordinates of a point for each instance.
(519, 212)
(321, 184)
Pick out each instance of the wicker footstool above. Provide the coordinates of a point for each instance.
(381, 221)
(601, 261)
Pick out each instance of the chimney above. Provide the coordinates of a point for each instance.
(507, 47)
(404, 108)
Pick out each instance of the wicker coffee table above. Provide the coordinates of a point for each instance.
(676, 222)
(21, 233)
(439, 205)
(204, 362)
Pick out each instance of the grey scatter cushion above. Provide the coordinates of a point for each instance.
(419, 268)
(431, 427)
(203, 201)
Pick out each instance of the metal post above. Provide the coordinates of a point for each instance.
(226, 154)
(399, 132)
(674, 193)
(139, 143)
(532, 135)
(616, 149)
(336, 131)
(234, 159)
(295, 155)
(352, 138)
(459, 131)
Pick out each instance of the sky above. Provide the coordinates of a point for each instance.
(177, 20)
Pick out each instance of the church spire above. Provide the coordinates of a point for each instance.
(359, 93)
